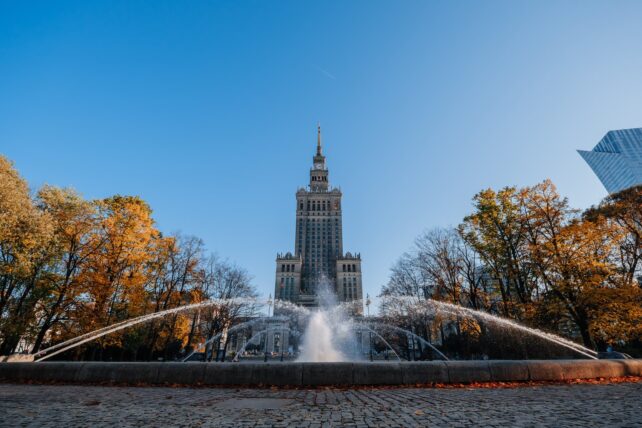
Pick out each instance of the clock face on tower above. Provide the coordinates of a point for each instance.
(318, 166)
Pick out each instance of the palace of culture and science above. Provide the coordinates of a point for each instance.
(318, 259)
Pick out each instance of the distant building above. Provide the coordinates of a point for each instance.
(617, 159)
(318, 259)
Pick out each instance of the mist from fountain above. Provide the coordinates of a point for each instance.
(329, 335)
(330, 332)
(380, 337)
(258, 335)
(431, 307)
(232, 329)
(281, 305)
(96, 334)
(378, 325)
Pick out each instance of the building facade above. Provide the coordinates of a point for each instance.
(617, 159)
(318, 261)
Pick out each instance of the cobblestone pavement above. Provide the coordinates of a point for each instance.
(549, 405)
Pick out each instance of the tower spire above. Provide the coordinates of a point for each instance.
(319, 139)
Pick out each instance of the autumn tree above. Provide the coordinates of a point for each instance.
(496, 232)
(578, 264)
(115, 276)
(74, 221)
(546, 264)
(233, 287)
(619, 306)
(25, 252)
(408, 279)
(176, 276)
(624, 211)
(69, 266)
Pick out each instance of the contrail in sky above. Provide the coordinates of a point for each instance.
(326, 73)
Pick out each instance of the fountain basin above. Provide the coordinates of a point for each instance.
(316, 374)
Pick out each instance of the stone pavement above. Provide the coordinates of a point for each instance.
(583, 405)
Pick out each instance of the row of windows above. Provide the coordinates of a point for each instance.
(287, 268)
(319, 234)
(314, 244)
(318, 262)
(350, 288)
(320, 226)
(349, 267)
(319, 254)
(318, 205)
(318, 221)
(317, 267)
(286, 290)
(317, 224)
(319, 178)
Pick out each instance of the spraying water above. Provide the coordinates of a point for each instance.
(330, 332)
(318, 343)
(93, 335)
(431, 306)
(329, 335)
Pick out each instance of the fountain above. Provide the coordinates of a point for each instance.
(328, 336)
(431, 307)
(331, 351)
(318, 342)
(329, 333)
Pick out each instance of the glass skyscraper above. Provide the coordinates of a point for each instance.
(617, 159)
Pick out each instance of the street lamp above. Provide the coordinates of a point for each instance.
(265, 355)
(369, 330)
(269, 303)
(282, 339)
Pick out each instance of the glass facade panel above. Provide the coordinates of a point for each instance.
(617, 159)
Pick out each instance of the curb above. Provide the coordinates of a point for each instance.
(317, 374)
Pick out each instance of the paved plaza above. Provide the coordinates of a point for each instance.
(613, 405)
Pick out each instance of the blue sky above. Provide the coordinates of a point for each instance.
(208, 110)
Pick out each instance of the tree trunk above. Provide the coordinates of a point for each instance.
(582, 324)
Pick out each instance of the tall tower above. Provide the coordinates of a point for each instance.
(318, 258)
(617, 159)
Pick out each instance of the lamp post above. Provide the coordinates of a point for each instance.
(282, 339)
(265, 354)
(369, 330)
